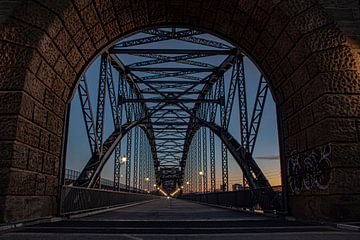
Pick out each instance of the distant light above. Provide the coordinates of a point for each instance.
(201, 173)
(147, 179)
(154, 185)
(123, 159)
(167, 197)
(187, 183)
(182, 187)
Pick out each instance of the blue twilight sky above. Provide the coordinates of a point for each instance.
(266, 151)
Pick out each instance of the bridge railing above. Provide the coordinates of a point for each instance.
(106, 184)
(264, 199)
(76, 200)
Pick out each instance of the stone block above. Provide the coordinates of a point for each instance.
(13, 32)
(49, 99)
(208, 18)
(306, 117)
(10, 102)
(44, 140)
(29, 207)
(299, 54)
(40, 185)
(173, 13)
(283, 45)
(40, 115)
(300, 78)
(13, 155)
(64, 41)
(336, 105)
(332, 130)
(277, 22)
(51, 186)
(54, 144)
(59, 107)
(11, 78)
(35, 160)
(156, 10)
(28, 132)
(20, 155)
(21, 183)
(246, 5)
(87, 48)
(325, 38)
(223, 19)
(259, 19)
(4, 180)
(46, 74)
(58, 86)
(343, 82)
(295, 7)
(48, 50)
(69, 76)
(14, 55)
(326, 207)
(312, 19)
(345, 155)
(8, 128)
(34, 87)
(80, 37)
(54, 124)
(336, 59)
(293, 125)
(50, 164)
(35, 14)
(81, 4)
(96, 34)
(89, 16)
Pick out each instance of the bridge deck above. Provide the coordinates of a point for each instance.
(176, 219)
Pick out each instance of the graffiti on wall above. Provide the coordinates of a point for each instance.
(309, 171)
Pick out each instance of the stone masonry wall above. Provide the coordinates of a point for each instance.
(313, 69)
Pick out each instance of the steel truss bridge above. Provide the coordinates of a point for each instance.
(170, 103)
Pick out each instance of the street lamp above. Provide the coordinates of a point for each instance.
(201, 173)
(123, 159)
(147, 179)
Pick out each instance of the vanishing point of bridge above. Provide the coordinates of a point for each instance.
(171, 112)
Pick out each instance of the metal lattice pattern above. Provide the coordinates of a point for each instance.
(167, 94)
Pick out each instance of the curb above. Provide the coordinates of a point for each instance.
(9, 227)
(29, 223)
(107, 209)
(348, 227)
(239, 210)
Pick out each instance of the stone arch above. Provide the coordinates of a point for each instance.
(312, 67)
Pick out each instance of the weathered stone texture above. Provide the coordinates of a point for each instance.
(306, 52)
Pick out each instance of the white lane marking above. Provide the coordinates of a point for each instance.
(132, 237)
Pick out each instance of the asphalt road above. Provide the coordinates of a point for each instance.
(177, 219)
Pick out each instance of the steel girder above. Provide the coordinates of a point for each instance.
(172, 84)
(85, 102)
(100, 112)
(248, 165)
(261, 95)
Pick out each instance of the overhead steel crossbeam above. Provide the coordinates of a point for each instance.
(170, 94)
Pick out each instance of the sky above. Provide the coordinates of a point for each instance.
(266, 151)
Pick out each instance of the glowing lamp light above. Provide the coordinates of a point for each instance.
(187, 183)
(201, 173)
(147, 179)
(123, 159)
